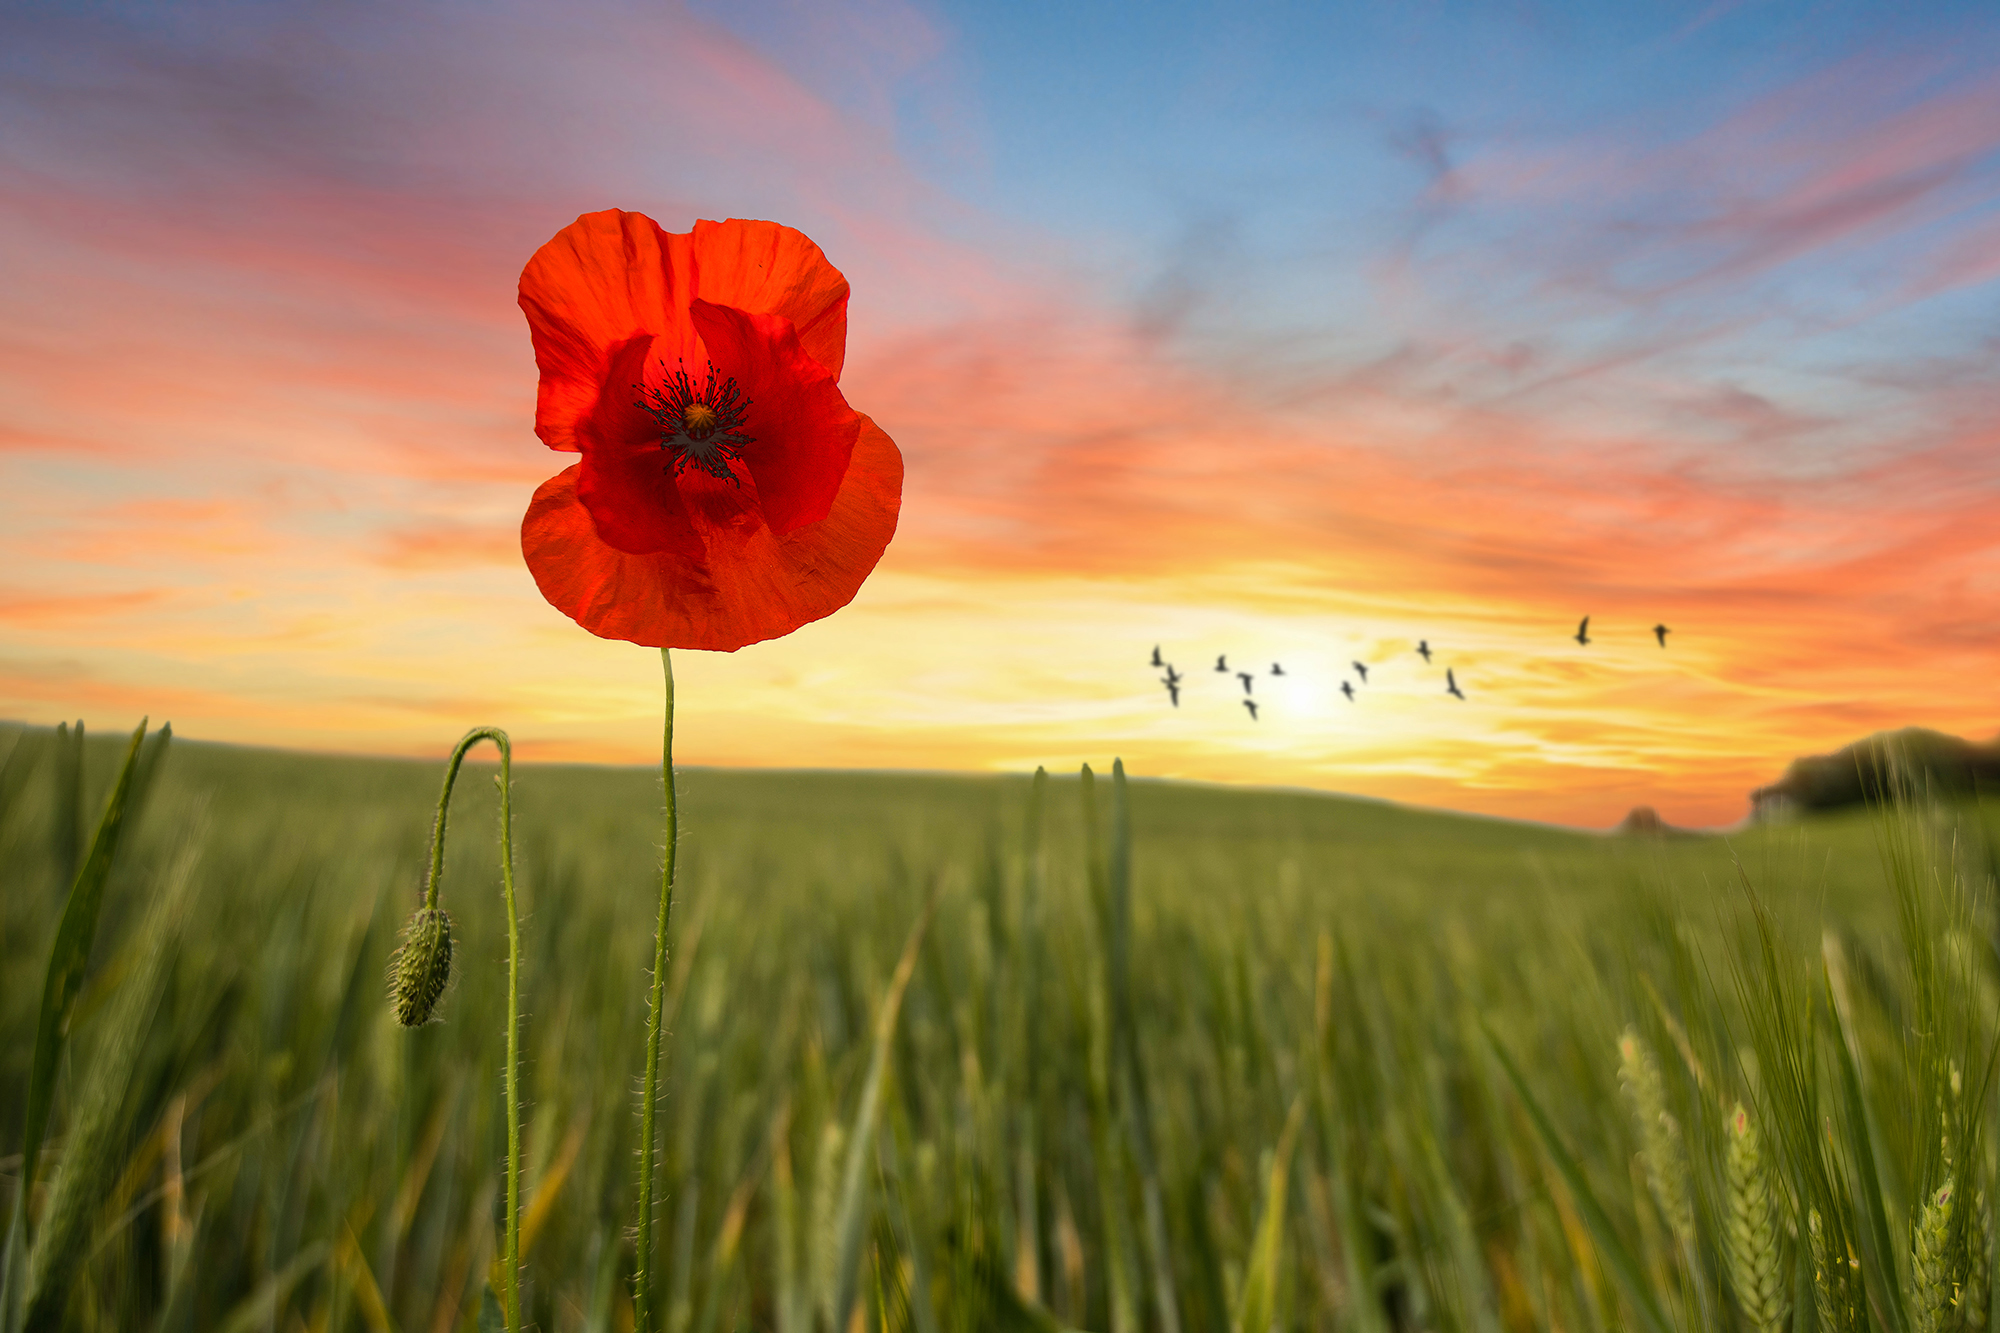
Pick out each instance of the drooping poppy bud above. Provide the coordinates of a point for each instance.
(421, 969)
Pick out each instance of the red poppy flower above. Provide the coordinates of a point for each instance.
(727, 493)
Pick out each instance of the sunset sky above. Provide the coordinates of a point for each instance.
(1294, 332)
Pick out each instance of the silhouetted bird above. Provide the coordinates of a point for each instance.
(1156, 656)
(1246, 678)
(1173, 677)
(1583, 631)
(1361, 670)
(1222, 662)
(1424, 647)
(1173, 684)
(1251, 704)
(1277, 670)
(1451, 684)
(1662, 632)
(1347, 688)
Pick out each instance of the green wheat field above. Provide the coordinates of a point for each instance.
(993, 1053)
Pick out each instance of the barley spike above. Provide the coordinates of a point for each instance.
(1755, 1268)
(1930, 1264)
(1659, 1136)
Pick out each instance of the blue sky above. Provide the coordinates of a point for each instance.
(1235, 174)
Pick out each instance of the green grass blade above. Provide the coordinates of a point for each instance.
(1108, 1163)
(181, 1279)
(91, 1155)
(1624, 1266)
(1125, 1051)
(791, 1313)
(1028, 1106)
(150, 757)
(260, 1308)
(74, 937)
(1992, 1261)
(22, 758)
(850, 1222)
(66, 822)
(1878, 1260)
(1258, 1309)
(1804, 1317)
(895, 1194)
(1363, 1307)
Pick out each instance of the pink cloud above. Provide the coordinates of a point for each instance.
(1970, 259)
(35, 610)
(1875, 148)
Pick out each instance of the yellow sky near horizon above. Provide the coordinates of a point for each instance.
(1008, 674)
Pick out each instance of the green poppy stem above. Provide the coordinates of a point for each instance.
(512, 1273)
(642, 1293)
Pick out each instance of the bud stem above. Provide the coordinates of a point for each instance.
(512, 1263)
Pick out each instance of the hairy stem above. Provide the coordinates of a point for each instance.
(642, 1301)
(512, 1274)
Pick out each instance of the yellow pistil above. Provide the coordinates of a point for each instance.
(700, 419)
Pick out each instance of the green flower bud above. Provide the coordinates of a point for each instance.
(421, 969)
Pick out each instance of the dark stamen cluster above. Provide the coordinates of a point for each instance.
(703, 428)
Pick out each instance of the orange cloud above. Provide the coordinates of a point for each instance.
(43, 610)
(448, 544)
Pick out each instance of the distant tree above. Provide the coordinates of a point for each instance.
(1914, 759)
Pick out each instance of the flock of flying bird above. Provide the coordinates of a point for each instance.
(1172, 680)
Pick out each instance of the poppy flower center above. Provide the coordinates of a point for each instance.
(702, 427)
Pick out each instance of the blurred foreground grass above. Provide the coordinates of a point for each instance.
(1231, 1071)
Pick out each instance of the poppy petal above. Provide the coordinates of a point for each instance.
(770, 269)
(611, 275)
(802, 429)
(752, 585)
(598, 283)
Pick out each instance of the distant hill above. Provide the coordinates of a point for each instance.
(1930, 761)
